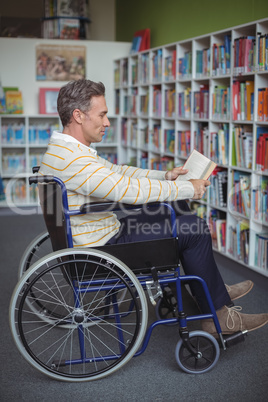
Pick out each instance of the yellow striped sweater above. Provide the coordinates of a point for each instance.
(89, 178)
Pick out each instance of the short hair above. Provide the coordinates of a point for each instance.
(77, 95)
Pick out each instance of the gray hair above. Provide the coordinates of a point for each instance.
(77, 95)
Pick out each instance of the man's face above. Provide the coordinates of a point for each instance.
(95, 121)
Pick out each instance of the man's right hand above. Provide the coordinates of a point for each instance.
(200, 187)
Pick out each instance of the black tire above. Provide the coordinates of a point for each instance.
(83, 334)
(208, 353)
(38, 248)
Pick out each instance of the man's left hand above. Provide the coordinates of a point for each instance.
(174, 173)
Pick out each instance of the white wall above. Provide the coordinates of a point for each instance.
(17, 66)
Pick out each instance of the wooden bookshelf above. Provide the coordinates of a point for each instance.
(208, 93)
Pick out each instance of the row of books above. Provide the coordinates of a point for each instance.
(201, 102)
(219, 187)
(169, 140)
(262, 56)
(15, 191)
(144, 104)
(242, 147)
(243, 100)
(163, 163)
(219, 145)
(203, 63)
(184, 143)
(201, 138)
(13, 162)
(110, 135)
(221, 60)
(221, 103)
(259, 202)
(157, 65)
(240, 194)
(170, 66)
(157, 102)
(145, 70)
(261, 251)
(245, 60)
(65, 8)
(262, 149)
(184, 103)
(62, 28)
(170, 102)
(263, 104)
(244, 54)
(37, 134)
(239, 241)
(217, 226)
(134, 73)
(185, 65)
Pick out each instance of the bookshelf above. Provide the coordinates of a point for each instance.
(209, 93)
(23, 142)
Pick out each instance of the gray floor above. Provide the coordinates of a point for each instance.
(240, 375)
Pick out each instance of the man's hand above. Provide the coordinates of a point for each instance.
(200, 187)
(174, 173)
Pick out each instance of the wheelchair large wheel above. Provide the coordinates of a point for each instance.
(86, 333)
(207, 349)
(38, 248)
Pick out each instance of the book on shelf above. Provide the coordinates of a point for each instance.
(141, 41)
(261, 250)
(262, 148)
(66, 8)
(218, 188)
(242, 147)
(262, 104)
(239, 240)
(199, 166)
(14, 102)
(69, 28)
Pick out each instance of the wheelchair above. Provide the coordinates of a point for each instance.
(80, 314)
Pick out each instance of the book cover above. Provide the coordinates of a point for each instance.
(199, 166)
(69, 28)
(14, 103)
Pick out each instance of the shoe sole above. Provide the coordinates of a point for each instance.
(216, 335)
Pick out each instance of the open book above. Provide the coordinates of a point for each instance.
(199, 166)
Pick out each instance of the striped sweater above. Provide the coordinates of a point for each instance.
(89, 178)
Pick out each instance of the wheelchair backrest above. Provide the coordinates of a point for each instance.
(50, 196)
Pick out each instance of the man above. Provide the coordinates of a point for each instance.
(83, 113)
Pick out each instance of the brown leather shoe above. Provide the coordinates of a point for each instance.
(231, 320)
(239, 290)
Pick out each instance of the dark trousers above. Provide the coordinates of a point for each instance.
(194, 244)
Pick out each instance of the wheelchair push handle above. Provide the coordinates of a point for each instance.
(40, 179)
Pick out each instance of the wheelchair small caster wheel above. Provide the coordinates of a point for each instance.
(207, 353)
(166, 306)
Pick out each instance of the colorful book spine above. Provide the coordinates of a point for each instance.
(157, 65)
(184, 143)
(221, 103)
(244, 54)
(169, 140)
(184, 103)
(144, 70)
(261, 251)
(155, 138)
(170, 66)
(203, 63)
(221, 57)
(240, 194)
(201, 139)
(201, 103)
(185, 66)
(243, 100)
(157, 101)
(170, 102)
(262, 149)
(219, 145)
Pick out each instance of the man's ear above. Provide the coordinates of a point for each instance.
(77, 116)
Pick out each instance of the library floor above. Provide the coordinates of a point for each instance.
(241, 373)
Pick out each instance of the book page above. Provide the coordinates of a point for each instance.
(199, 166)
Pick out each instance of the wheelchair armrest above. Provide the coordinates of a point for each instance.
(115, 206)
(104, 206)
